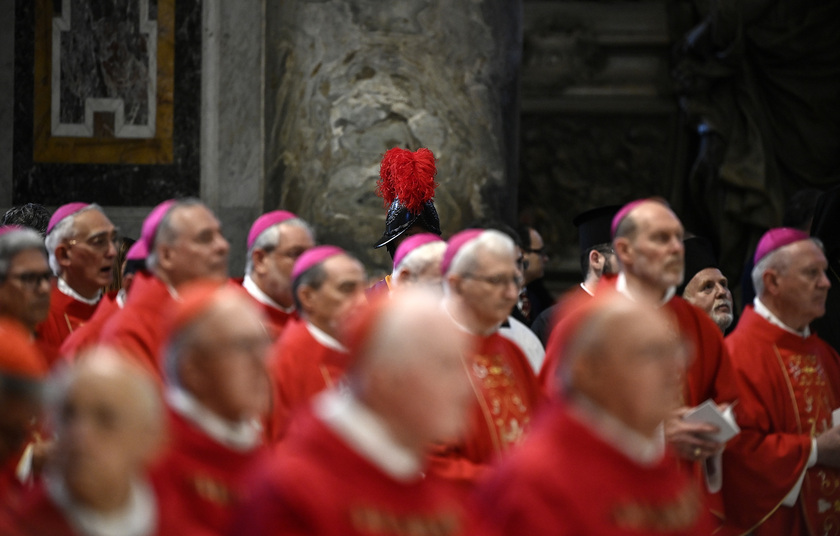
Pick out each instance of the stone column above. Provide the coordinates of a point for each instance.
(348, 79)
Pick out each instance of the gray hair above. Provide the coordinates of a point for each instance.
(420, 259)
(13, 242)
(270, 239)
(62, 231)
(166, 232)
(490, 241)
(313, 277)
(778, 260)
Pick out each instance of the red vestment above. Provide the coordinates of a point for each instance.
(139, 328)
(66, 315)
(315, 484)
(507, 396)
(276, 319)
(708, 362)
(566, 480)
(202, 476)
(300, 367)
(35, 514)
(88, 334)
(790, 386)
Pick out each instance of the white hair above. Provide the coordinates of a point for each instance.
(165, 233)
(778, 260)
(465, 261)
(270, 239)
(420, 258)
(62, 231)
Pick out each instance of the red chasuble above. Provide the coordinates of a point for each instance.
(35, 514)
(300, 367)
(315, 484)
(66, 315)
(87, 334)
(709, 364)
(139, 327)
(507, 396)
(566, 480)
(790, 387)
(203, 477)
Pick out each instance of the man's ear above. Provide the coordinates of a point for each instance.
(596, 260)
(305, 295)
(623, 249)
(62, 255)
(258, 257)
(770, 277)
(403, 277)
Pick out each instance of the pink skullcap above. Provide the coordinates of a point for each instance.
(454, 245)
(413, 242)
(265, 221)
(63, 211)
(6, 229)
(622, 213)
(777, 238)
(137, 251)
(314, 256)
(144, 244)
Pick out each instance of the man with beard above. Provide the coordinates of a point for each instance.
(82, 244)
(781, 472)
(704, 286)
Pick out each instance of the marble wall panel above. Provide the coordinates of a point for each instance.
(52, 165)
(348, 79)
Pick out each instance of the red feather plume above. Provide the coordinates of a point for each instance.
(407, 176)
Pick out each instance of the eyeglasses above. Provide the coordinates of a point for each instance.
(498, 280)
(32, 280)
(100, 241)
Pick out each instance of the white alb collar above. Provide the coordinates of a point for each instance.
(68, 290)
(241, 436)
(325, 338)
(621, 286)
(642, 450)
(138, 518)
(367, 434)
(768, 315)
(583, 286)
(257, 293)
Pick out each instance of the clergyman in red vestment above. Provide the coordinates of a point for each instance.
(782, 473)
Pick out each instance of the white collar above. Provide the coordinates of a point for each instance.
(768, 315)
(324, 338)
(138, 518)
(257, 293)
(242, 436)
(587, 290)
(621, 286)
(68, 290)
(366, 433)
(642, 450)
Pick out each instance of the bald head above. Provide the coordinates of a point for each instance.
(108, 421)
(415, 382)
(218, 356)
(627, 358)
(649, 245)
